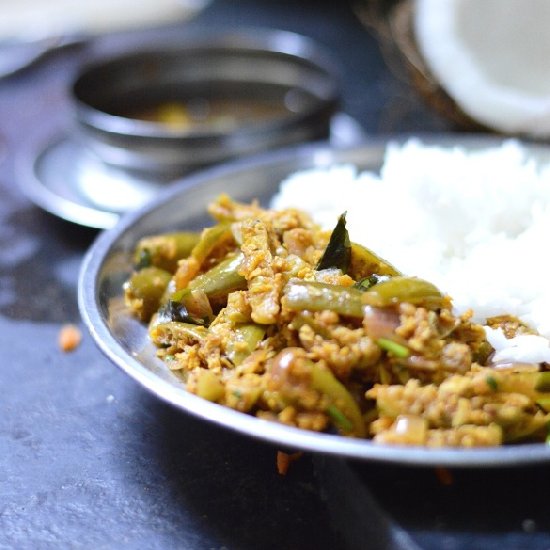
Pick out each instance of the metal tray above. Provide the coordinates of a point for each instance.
(124, 340)
(62, 176)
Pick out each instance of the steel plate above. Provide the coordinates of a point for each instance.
(124, 340)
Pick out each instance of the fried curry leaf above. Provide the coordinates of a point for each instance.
(176, 311)
(338, 251)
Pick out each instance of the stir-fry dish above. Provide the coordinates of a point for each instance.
(266, 313)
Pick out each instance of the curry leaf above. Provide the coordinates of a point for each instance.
(338, 251)
(176, 311)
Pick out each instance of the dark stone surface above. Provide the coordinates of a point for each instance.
(89, 460)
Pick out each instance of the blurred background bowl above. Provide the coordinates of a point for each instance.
(166, 111)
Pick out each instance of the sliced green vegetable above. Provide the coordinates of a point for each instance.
(302, 319)
(338, 417)
(313, 296)
(326, 383)
(403, 289)
(535, 385)
(543, 382)
(221, 279)
(365, 262)
(210, 238)
(164, 251)
(243, 341)
(524, 425)
(144, 290)
(337, 254)
(209, 385)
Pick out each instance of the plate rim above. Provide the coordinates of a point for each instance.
(273, 432)
(35, 189)
(84, 212)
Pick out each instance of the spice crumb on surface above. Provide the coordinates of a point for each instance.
(69, 337)
(444, 476)
(284, 460)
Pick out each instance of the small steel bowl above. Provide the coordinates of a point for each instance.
(286, 82)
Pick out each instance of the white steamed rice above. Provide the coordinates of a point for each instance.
(476, 224)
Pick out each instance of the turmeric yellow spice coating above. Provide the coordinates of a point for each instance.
(267, 314)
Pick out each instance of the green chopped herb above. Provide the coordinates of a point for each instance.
(398, 350)
(339, 418)
(492, 383)
(367, 282)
